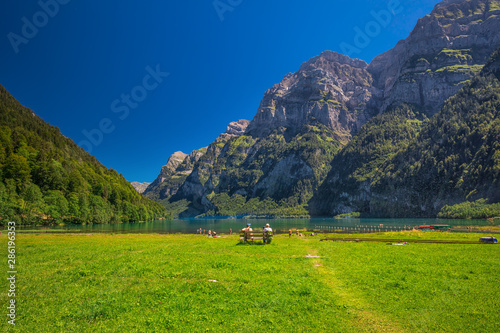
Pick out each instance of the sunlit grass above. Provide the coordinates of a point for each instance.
(188, 283)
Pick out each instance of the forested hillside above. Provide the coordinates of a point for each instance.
(46, 178)
(455, 158)
(347, 187)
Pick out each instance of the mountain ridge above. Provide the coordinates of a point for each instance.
(286, 152)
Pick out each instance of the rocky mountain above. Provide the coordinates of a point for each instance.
(367, 112)
(455, 158)
(173, 174)
(179, 165)
(445, 49)
(285, 151)
(404, 164)
(332, 89)
(236, 128)
(140, 187)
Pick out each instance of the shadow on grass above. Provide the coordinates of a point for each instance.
(252, 243)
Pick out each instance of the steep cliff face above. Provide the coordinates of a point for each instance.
(445, 49)
(172, 175)
(331, 88)
(455, 158)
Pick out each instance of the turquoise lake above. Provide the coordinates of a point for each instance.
(223, 226)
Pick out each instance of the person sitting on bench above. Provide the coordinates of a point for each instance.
(268, 231)
(248, 228)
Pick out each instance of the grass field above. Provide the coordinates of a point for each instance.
(188, 283)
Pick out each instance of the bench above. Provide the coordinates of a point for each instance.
(250, 236)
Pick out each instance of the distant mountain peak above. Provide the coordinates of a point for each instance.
(140, 187)
(178, 155)
(328, 58)
(235, 128)
(330, 88)
(175, 160)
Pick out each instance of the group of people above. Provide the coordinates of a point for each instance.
(210, 232)
(267, 232)
(297, 233)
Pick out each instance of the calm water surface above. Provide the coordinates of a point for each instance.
(222, 226)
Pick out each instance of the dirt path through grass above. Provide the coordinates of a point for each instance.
(367, 318)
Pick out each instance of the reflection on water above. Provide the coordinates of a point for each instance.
(223, 226)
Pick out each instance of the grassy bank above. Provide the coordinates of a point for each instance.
(187, 283)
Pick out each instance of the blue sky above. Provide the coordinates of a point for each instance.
(144, 79)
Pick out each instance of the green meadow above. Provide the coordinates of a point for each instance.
(189, 283)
